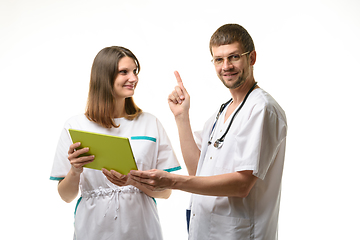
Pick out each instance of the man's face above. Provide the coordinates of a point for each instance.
(231, 66)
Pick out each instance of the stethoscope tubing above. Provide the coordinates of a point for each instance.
(218, 142)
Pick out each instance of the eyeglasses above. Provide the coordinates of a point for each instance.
(232, 59)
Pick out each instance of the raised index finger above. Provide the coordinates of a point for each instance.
(178, 78)
(180, 82)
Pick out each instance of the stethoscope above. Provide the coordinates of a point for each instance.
(219, 142)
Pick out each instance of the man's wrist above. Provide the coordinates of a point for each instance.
(180, 181)
(182, 119)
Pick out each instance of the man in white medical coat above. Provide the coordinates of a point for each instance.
(235, 164)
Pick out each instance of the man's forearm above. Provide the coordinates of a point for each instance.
(189, 149)
(237, 184)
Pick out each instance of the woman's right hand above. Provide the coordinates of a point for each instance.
(77, 162)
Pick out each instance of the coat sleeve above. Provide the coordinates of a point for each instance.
(166, 158)
(61, 165)
(259, 141)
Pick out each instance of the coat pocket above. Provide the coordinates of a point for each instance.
(144, 150)
(229, 228)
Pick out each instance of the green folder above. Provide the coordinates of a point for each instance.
(111, 152)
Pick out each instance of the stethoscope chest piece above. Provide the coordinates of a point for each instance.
(218, 143)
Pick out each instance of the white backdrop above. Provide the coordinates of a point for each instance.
(308, 58)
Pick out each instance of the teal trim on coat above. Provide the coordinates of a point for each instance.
(143, 138)
(77, 204)
(172, 169)
(56, 178)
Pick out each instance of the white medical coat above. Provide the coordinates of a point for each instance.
(104, 210)
(255, 141)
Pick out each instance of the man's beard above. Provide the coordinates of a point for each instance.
(240, 81)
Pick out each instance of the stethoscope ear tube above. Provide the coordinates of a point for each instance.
(219, 142)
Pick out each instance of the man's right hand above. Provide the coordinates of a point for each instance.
(179, 99)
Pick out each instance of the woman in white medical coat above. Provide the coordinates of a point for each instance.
(111, 205)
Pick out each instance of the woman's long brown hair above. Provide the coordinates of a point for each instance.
(101, 99)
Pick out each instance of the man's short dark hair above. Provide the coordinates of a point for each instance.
(230, 33)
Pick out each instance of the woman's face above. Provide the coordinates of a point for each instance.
(127, 79)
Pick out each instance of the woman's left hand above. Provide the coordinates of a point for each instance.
(116, 177)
